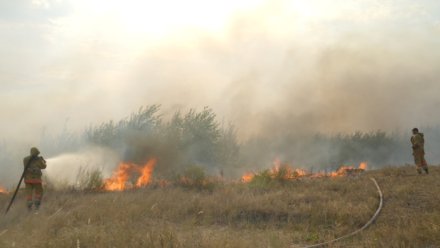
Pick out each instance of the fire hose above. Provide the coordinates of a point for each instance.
(373, 218)
(19, 183)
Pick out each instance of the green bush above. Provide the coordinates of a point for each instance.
(188, 138)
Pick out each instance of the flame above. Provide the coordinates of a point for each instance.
(344, 170)
(247, 177)
(121, 178)
(288, 173)
(300, 172)
(363, 166)
(3, 190)
(146, 173)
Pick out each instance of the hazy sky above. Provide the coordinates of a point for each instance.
(313, 65)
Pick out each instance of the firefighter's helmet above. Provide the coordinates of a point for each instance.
(34, 151)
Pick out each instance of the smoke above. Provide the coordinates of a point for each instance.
(278, 70)
(327, 77)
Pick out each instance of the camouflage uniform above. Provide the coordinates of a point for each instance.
(418, 145)
(32, 178)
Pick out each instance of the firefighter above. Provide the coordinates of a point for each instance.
(418, 146)
(32, 178)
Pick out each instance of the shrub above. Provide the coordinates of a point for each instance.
(188, 138)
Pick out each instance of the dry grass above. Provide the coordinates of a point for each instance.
(235, 215)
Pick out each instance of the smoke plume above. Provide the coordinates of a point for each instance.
(275, 70)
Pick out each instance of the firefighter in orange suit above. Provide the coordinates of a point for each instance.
(418, 146)
(32, 178)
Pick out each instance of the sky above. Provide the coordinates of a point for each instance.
(265, 66)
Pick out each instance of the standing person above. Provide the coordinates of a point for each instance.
(32, 178)
(418, 146)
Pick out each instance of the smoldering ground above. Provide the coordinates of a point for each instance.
(279, 74)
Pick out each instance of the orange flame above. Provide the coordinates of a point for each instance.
(300, 172)
(146, 173)
(3, 190)
(288, 173)
(344, 170)
(121, 178)
(247, 177)
(363, 166)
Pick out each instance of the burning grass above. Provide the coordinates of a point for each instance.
(237, 215)
(121, 178)
(3, 191)
(130, 176)
(284, 172)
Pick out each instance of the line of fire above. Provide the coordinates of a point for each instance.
(129, 176)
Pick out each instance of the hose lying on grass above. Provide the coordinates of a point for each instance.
(360, 229)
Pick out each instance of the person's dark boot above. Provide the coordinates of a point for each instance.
(419, 171)
(426, 170)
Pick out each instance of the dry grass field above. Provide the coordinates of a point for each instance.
(289, 214)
